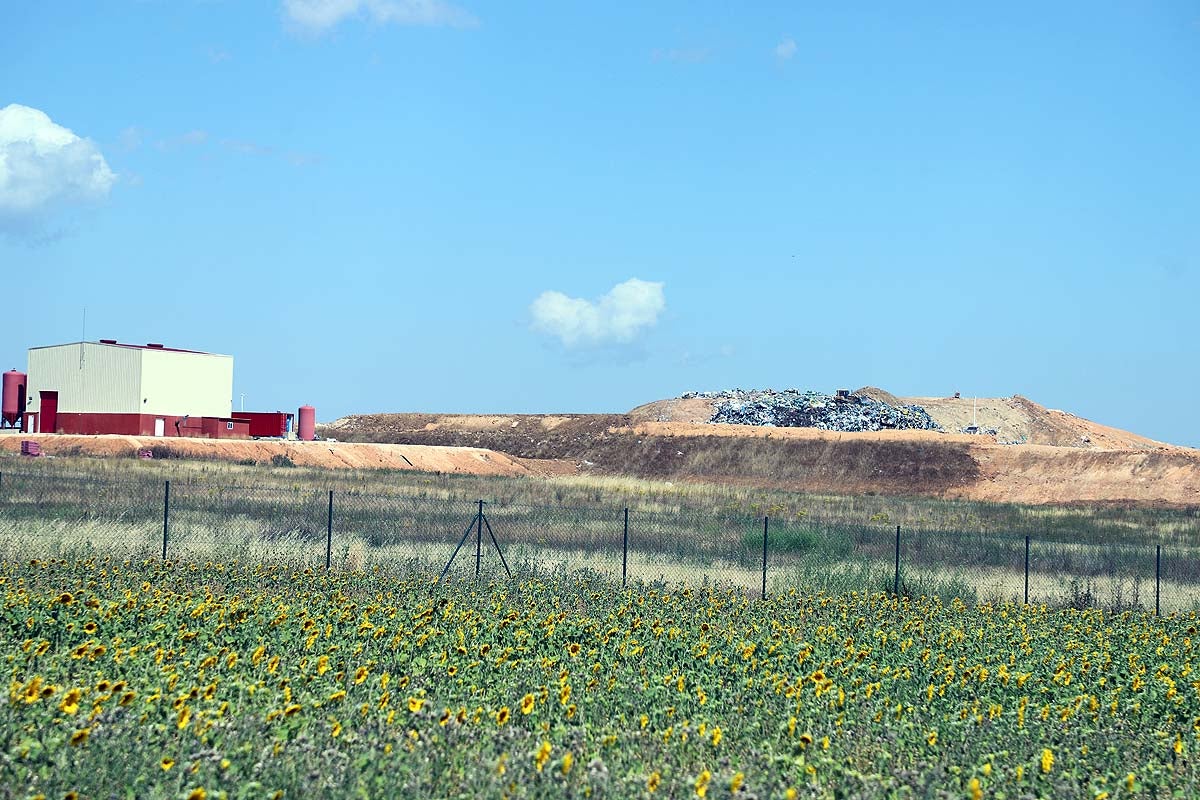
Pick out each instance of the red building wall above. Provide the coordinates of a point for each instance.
(266, 423)
(143, 425)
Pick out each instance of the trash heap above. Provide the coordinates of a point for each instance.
(792, 408)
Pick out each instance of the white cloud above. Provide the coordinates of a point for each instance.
(254, 149)
(194, 138)
(618, 316)
(130, 138)
(43, 166)
(317, 16)
(785, 49)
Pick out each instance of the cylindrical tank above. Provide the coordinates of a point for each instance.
(14, 397)
(307, 426)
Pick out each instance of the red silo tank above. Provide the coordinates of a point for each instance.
(307, 426)
(14, 397)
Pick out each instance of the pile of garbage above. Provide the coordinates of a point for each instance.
(792, 408)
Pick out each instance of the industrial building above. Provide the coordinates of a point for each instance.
(107, 387)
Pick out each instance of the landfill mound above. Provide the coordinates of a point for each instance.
(674, 440)
(882, 395)
(792, 408)
(1004, 420)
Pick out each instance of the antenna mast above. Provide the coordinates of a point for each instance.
(83, 337)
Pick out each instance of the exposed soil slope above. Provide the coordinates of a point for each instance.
(1019, 419)
(805, 459)
(467, 460)
(672, 440)
(1040, 474)
(522, 435)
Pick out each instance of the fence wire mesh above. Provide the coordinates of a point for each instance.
(46, 515)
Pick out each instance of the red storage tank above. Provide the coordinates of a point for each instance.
(14, 398)
(307, 426)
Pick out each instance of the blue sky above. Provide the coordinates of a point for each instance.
(407, 205)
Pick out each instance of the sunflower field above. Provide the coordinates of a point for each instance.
(143, 679)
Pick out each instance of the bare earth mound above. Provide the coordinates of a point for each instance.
(1063, 459)
(1077, 460)
(334, 455)
(1019, 419)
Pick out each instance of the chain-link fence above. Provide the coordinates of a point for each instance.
(57, 516)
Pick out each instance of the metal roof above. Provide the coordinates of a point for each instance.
(115, 343)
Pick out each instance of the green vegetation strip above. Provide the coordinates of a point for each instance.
(225, 680)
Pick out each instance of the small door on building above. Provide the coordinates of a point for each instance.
(160, 426)
(48, 416)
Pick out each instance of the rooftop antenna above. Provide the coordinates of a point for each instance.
(83, 337)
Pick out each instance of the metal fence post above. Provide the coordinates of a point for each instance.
(1026, 570)
(625, 550)
(329, 534)
(479, 539)
(1157, 575)
(896, 583)
(166, 516)
(766, 522)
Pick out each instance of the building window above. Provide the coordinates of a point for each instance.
(228, 426)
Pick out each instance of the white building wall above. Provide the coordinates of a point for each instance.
(196, 384)
(89, 378)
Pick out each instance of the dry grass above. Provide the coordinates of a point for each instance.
(678, 531)
(1087, 523)
(244, 542)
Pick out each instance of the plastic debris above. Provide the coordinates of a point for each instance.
(792, 408)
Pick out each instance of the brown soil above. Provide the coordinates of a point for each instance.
(695, 409)
(943, 465)
(1020, 420)
(1039, 474)
(879, 395)
(1066, 459)
(522, 435)
(1114, 466)
(335, 455)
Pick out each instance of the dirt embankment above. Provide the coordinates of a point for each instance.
(334, 455)
(614, 444)
(804, 459)
(538, 436)
(832, 464)
(927, 463)
(1019, 419)
(1060, 475)
(798, 459)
